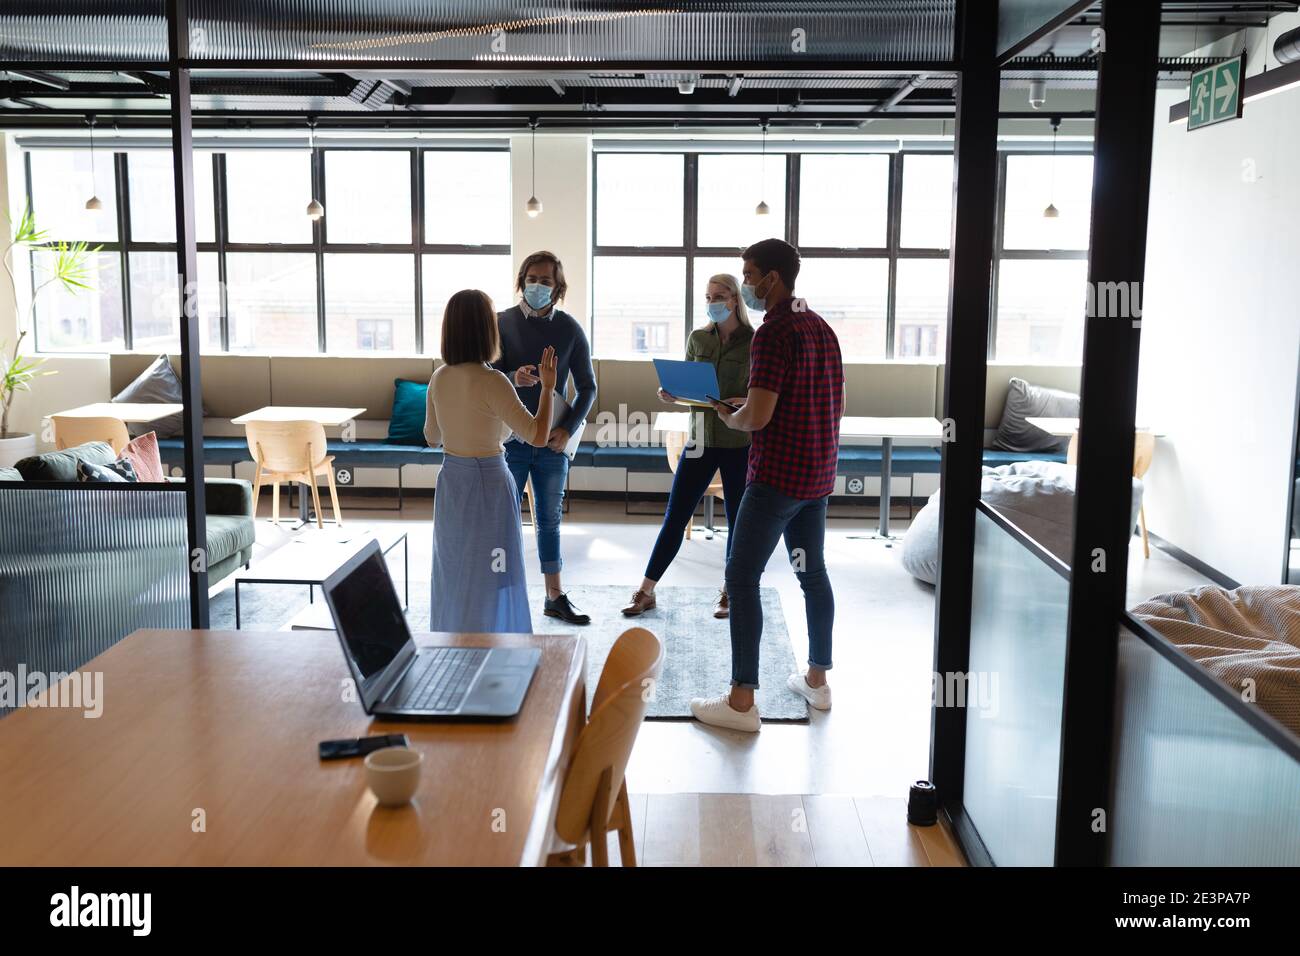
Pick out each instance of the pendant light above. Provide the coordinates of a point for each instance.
(93, 204)
(314, 208)
(534, 205)
(761, 209)
(1051, 212)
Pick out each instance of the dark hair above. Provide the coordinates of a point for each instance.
(561, 286)
(469, 329)
(774, 255)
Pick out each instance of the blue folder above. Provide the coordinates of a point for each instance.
(688, 382)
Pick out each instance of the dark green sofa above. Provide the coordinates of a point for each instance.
(229, 502)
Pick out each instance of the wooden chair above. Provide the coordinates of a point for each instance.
(291, 451)
(1144, 450)
(593, 801)
(73, 430)
(674, 445)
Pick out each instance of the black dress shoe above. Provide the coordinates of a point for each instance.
(564, 609)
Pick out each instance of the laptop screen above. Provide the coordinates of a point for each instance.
(368, 615)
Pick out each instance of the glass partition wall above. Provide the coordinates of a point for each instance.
(82, 566)
(1091, 735)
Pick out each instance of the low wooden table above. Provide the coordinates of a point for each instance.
(205, 754)
(313, 556)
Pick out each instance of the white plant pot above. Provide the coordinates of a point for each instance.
(15, 447)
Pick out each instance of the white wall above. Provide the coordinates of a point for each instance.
(1220, 335)
(564, 226)
(80, 379)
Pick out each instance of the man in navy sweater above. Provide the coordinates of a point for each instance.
(526, 330)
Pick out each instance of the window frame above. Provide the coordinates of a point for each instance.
(690, 248)
(318, 247)
(1001, 253)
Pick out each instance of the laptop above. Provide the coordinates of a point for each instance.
(394, 677)
(689, 382)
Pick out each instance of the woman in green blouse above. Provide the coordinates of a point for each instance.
(714, 447)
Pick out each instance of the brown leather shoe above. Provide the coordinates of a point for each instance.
(722, 607)
(641, 602)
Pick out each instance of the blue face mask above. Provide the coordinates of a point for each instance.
(538, 296)
(718, 312)
(751, 298)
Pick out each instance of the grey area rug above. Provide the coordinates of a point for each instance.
(697, 646)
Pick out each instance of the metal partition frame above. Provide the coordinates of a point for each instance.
(1126, 99)
(974, 214)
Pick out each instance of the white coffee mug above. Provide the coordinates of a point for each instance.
(393, 775)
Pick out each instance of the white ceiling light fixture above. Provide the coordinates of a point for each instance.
(534, 205)
(1037, 93)
(94, 203)
(1051, 212)
(314, 208)
(686, 85)
(761, 209)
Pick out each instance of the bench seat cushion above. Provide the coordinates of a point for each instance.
(225, 450)
(650, 458)
(380, 454)
(217, 450)
(907, 460)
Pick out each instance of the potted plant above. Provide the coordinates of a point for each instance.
(72, 270)
(18, 373)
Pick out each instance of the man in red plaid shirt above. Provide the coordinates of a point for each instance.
(793, 407)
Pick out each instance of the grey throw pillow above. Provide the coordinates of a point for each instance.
(158, 383)
(62, 465)
(10, 474)
(1033, 401)
(116, 471)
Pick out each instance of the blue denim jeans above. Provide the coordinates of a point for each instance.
(549, 471)
(765, 517)
(692, 480)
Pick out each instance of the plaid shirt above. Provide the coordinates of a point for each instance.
(796, 354)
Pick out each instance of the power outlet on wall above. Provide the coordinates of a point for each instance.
(855, 485)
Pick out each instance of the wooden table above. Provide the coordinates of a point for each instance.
(1066, 427)
(311, 557)
(329, 417)
(856, 430)
(135, 413)
(300, 413)
(1060, 427)
(224, 726)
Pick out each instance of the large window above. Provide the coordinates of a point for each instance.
(665, 223)
(874, 268)
(1042, 262)
(371, 276)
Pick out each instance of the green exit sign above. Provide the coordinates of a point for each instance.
(1215, 93)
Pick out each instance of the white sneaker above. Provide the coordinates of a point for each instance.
(719, 713)
(818, 697)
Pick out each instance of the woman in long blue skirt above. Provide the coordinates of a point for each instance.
(478, 582)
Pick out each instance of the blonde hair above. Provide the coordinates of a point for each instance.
(728, 282)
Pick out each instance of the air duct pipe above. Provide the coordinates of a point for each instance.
(1287, 47)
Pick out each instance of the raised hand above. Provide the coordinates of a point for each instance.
(546, 371)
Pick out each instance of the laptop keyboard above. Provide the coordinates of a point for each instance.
(442, 677)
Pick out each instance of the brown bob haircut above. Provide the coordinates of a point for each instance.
(561, 286)
(469, 329)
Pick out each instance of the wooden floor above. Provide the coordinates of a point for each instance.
(753, 829)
